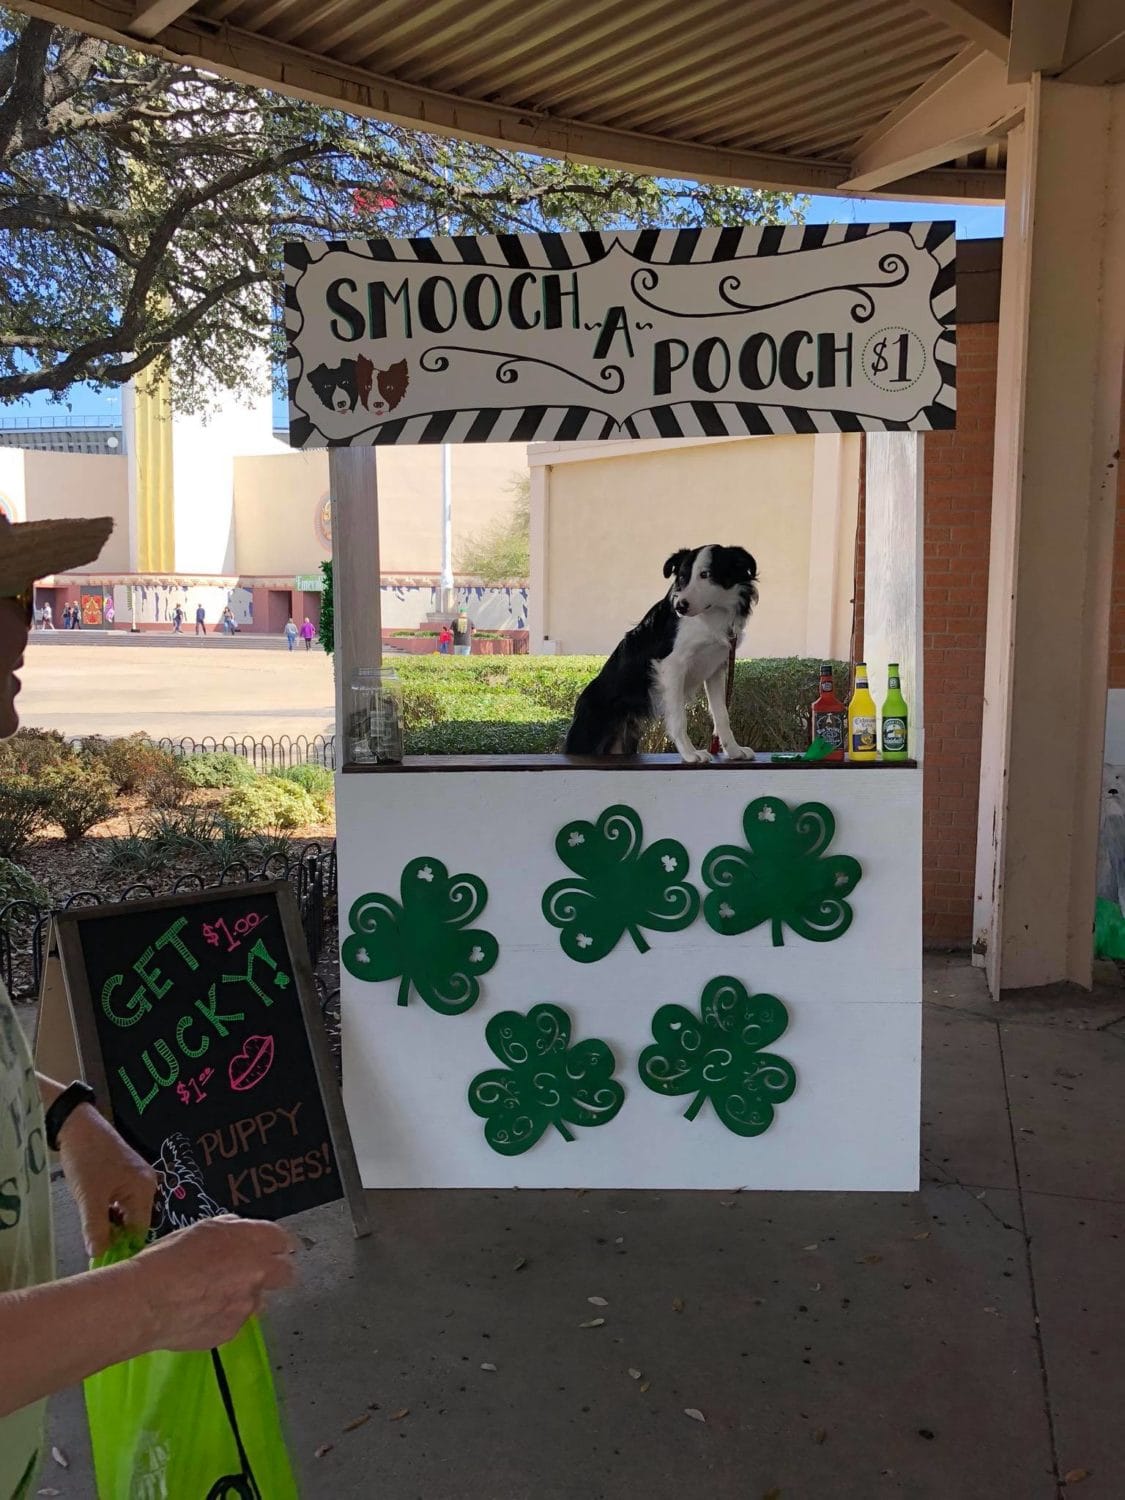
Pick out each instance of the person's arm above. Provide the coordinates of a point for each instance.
(193, 1290)
(110, 1184)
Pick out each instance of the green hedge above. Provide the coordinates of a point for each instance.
(498, 705)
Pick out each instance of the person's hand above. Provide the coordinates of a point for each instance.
(198, 1286)
(108, 1181)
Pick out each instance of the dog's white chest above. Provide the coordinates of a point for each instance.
(699, 652)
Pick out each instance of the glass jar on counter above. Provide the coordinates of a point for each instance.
(375, 717)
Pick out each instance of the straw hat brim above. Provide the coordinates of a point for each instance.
(30, 550)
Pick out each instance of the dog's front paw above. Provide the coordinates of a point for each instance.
(693, 757)
(738, 752)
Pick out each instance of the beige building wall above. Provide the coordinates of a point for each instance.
(605, 517)
(280, 505)
(58, 485)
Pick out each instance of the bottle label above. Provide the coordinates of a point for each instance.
(894, 734)
(863, 733)
(830, 728)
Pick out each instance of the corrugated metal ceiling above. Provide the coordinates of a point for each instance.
(775, 92)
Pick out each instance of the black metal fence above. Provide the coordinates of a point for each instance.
(311, 871)
(266, 754)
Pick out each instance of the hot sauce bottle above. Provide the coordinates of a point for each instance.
(828, 717)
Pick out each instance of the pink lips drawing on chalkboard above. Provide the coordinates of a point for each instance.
(248, 1067)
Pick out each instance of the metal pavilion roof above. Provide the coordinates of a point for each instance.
(908, 97)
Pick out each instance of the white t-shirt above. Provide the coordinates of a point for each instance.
(27, 1256)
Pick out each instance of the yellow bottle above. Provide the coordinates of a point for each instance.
(863, 742)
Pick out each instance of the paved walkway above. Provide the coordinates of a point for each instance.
(106, 683)
(961, 1342)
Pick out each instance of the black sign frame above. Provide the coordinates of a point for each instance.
(68, 927)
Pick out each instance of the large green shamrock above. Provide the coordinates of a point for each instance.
(782, 876)
(717, 1055)
(546, 1080)
(621, 888)
(425, 941)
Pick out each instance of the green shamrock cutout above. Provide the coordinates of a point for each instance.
(718, 1056)
(621, 886)
(783, 877)
(425, 941)
(545, 1082)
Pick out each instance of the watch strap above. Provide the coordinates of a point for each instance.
(60, 1111)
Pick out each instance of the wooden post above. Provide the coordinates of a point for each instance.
(357, 619)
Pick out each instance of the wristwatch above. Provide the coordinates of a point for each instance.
(64, 1106)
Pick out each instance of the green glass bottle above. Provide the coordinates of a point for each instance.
(894, 736)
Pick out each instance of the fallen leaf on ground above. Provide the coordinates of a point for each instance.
(819, 1435)
(60, 1458)
(358, 1422)
(646, 1385)
(694, 1413)
(581, 1192)
(48, 1492)
(322, 1450)
(397, 1416)
(726, 1202)
(593, 1323)
(620, 1240)
(519, 1265)
(597, 1301)
(772, 1495)
(871, 1260)
(1076, 1476)
(810, 1247)
(487, 1366)
(923, 1236)
(634, 1374)
(677, 1304)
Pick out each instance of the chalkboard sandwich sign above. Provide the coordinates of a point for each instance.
(197, 1022)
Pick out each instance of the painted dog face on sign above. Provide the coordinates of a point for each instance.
(343, 387)
(181, 1198)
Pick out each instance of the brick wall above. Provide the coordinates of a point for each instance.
(958, 507)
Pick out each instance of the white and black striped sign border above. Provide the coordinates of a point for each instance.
(673, 247)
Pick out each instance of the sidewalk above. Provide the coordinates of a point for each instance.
(962, 1342)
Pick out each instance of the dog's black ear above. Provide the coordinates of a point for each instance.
(751, 564)
(673, 563)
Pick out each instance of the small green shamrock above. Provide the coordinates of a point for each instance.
(546, 1080)
(783, 877)
(717, 1055)
(621, 888)
(425, 941)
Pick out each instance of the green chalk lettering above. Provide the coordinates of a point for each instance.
(181, 1026)
(152, 979)
(259, 950)
(137, 1007)
(209, 1010)
(141, 1104)
(173, 936)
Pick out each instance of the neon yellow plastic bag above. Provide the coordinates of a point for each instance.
(195, 1426)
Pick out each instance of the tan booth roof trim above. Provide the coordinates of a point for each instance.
(774, 94)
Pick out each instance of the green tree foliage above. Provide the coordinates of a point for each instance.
(144, 203)
(501, 551)
(327, 628)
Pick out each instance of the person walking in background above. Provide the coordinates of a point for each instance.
(308, 631)
(200, 620)
(445, 639)
(462, 635)
(229, 627)
(291, 633)
(177, 619)
(109, 612)
(48, 621)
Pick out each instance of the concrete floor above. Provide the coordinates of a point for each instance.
(962, 1342)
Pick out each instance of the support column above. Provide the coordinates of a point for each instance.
(1062, 338)
(892, 576)
(538, 622)
(356, 612)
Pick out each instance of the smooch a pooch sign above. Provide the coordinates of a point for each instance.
(638, 334)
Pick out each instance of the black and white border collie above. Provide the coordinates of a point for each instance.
(683, 643)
